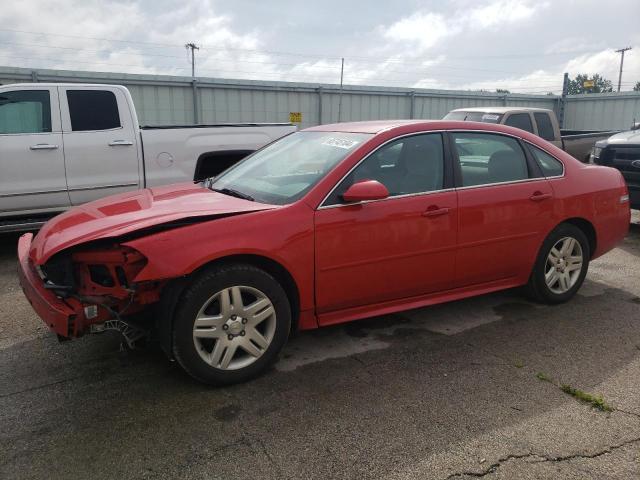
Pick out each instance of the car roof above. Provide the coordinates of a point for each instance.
(372, 126)
(400, 127)
(500, 109)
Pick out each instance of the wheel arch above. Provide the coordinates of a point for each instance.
(172, 292)
(210, 164)
(587, 228)
(272, 267)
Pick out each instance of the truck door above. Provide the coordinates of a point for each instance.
(31, 154)
(100, 142)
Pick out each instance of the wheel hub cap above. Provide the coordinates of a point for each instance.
(235, 327)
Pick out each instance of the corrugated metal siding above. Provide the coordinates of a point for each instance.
(169, 100)
(162, 104)
(606, 111)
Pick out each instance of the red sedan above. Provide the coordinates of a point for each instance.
(328, 225)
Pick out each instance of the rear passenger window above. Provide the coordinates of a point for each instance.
(545, 127)
(93, 110)
(406, 166)
(551, 167)
(521, 121)
(487, 158)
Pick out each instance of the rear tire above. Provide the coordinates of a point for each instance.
(230, 324)
(561, 265)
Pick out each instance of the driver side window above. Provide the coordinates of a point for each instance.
(409, 165)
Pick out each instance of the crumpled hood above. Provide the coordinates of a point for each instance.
(128, 212)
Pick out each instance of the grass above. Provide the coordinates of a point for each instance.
(518, 364)
(544, 377)
(595, 401)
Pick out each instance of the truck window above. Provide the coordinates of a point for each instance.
(545, 127)
(487, 158)
(25, 111)
(549, 165)
(93, 110)
(485, 117)
(521, 121)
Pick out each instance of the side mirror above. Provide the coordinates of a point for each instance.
(365, 190)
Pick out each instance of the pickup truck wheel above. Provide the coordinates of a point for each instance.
(230, 324)
(561, 265)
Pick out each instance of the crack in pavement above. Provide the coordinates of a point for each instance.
(626, 412)
(540, 459)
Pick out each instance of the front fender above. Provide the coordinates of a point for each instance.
(283, 235)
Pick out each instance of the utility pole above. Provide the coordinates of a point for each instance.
(563, 98)
(194, 84)
(621, 52)
(340, 96)
(193, 48)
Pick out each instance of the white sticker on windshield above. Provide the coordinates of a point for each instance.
(340, 143)
(490, 116)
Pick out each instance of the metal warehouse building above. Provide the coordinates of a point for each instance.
(161, 99)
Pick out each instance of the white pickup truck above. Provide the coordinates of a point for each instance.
(66, 144)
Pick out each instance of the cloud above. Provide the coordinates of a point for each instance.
(425, 29)
(501, 13)
(465, 44)
(607, 64)
(539, 81)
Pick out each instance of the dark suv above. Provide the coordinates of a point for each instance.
(622, 151)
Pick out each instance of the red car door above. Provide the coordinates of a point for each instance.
(505, 208)
(398, 247)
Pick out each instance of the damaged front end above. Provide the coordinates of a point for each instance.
(89, 288)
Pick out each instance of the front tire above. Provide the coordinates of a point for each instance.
(230, 324)
(561, 266)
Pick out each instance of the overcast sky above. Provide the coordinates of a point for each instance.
(521, 45)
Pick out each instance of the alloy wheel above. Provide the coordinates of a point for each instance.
(234, 327)
(564, 264)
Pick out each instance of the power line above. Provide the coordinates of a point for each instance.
(297, 54)
(427, 70)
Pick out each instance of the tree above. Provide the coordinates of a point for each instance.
(502, 90)
(636, 88)
(600, 84)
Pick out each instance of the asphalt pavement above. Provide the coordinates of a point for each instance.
(457, 391)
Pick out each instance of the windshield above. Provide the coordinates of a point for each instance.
(284, 171)
(474, 117)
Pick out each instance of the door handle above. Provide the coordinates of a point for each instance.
(43, 146)
(117, 143)
(537, 196)
(435, 211)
